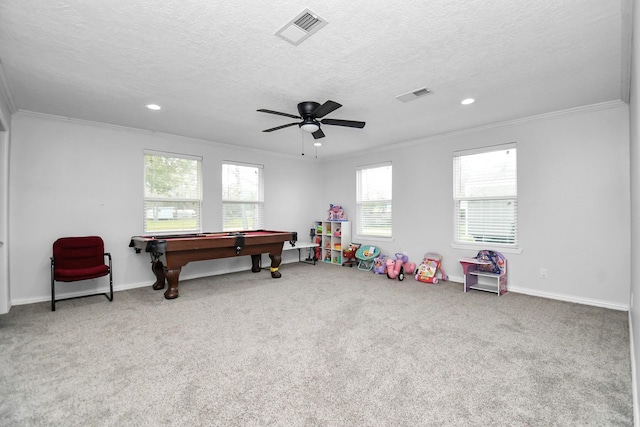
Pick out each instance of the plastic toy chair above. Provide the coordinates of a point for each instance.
(365, 256)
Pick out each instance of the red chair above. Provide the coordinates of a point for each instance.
(79, 258)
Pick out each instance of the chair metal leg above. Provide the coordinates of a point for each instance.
(110, 296)
(53, 289)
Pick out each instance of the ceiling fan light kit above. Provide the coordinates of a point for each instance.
(309, 126)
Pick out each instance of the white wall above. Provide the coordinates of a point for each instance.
(72, 178)
(5, 127)
(5, 291)
(634, 112)
(573, 201)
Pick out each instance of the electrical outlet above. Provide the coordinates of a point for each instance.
(544, 273)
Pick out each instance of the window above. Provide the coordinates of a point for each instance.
(172, 193)
(373, 202)
(485, 194)
(242, 197)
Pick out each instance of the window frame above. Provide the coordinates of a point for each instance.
(257, 203)
(361, 224)
(195, 202)
(511, 199)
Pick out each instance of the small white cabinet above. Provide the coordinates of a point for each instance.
(334, 237)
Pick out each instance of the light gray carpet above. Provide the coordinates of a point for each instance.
(322, 346)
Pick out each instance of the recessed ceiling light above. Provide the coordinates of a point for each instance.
(467, 101)
(154, 107)
(317, 144)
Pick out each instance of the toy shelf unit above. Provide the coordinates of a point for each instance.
(335, 235)
(477, 277)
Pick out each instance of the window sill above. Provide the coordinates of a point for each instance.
(481, 246)
(372, 238)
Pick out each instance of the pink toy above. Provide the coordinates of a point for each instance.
(399, 266)
(409, 267)
(428, 269)
(336, 213)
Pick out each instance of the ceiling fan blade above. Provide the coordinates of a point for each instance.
(262, 110)
(318, 134)
(280, 127)
(347, 123)
(325, 109)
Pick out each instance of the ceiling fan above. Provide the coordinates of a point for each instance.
(310, 112)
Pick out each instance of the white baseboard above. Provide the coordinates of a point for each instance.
(634, 383)
(127, 286)
(460, 279)
(559, 297)
(569, 298)
(60, 295)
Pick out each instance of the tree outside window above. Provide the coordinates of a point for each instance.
(242, 197)
(172, 193)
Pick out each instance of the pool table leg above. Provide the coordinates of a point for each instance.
(275, 264)
(172, 281)
(255, 263)
(158, 270)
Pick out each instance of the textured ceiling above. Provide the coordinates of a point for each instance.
(212, 64)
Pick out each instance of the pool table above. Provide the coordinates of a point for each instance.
(170, 253)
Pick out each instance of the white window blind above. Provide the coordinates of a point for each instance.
(373, 200)
(485, 193)
(172, 193)
(242, 197)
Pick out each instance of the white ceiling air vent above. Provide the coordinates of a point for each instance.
(301, 27)
(414, 94)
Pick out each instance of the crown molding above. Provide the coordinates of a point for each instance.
(156, 133)
(560, 113)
